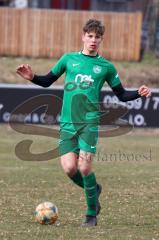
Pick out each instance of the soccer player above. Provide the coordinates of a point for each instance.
(86, 72)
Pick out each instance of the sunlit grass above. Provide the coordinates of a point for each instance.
(130, 198)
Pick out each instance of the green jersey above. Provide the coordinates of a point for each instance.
(85, 76)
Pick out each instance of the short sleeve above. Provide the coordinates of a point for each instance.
(112, 76)
(59, 68)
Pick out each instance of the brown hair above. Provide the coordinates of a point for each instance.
(94, 25)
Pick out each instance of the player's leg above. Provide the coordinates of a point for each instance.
(87, 143)
(68, 150)
(69, 162)
(89, 180)
(90, 185)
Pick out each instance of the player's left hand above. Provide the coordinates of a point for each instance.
(144, 91)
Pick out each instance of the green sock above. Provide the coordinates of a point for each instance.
(90, 187)
(77, 179)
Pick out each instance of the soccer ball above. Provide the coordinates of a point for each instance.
(46, 213)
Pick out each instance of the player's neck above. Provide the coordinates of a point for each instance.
(89, 53)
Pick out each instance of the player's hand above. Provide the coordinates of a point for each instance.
(144, 91)
(25, 71)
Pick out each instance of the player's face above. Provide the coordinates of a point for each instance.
(91, 43)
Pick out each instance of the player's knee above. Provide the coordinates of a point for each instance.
(85, 164)
(69, 164)
(70, 170)
(85, 170)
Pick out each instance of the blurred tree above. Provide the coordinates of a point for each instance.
(153, 21)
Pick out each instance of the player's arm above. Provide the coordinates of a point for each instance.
(44, 80)
(26, 72)
(123, 94)
(129, 95)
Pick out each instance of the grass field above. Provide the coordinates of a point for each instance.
(130, 198)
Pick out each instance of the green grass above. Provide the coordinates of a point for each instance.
(130, 198)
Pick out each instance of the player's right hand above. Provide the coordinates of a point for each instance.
(25, 71)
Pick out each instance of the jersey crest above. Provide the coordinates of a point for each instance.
(97, 69)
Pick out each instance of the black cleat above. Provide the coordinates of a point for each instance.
(90, 221)
(99, 190)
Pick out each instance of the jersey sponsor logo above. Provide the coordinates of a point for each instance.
(84, 79)
(81, 81)
(97, 69)
(75, 64)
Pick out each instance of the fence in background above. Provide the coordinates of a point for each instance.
(50, 33)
